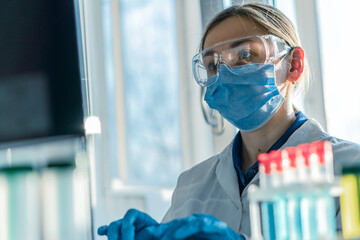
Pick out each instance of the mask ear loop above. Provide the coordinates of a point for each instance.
(279, 63)
(212, 117)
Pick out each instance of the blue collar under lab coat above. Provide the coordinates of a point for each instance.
(244, 179)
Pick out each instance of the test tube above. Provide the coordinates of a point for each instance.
(350, 202)
(322, 165)
(267, 207)
(303, 163)
(293, 204)
(308, 201)
(280, 211)
(289, 166)
(265, 170)
(271, 166)
(255, 219)
(323, 151)
(276, 176)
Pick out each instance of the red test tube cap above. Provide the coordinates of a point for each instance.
(319, 148)
(265, 162)
(276, 157)
(291, 152)
(304, 150)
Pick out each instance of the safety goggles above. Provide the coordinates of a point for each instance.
(261, 49)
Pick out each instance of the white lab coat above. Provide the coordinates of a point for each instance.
(211, 187)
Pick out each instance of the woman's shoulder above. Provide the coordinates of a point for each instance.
(205, 170)
(345, 153)
(196, 185)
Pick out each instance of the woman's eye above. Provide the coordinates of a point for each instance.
(244, 55)
(211, 67)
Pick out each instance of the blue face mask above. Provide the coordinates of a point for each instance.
(246, 95)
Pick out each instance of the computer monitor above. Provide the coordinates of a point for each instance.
(40, 85)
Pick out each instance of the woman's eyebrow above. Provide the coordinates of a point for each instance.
(209, 53)
(237, 43)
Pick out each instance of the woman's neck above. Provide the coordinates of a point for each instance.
(260, 141)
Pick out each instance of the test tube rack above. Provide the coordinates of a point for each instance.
(286, 194)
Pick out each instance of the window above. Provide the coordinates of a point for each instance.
(151, 90)
(339, 36)
(288, 8)
(327, 29)
(146, 143)
(144, 102)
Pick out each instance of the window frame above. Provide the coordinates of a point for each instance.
(307, 21)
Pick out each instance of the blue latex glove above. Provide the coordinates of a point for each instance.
(197, 226)
(126, 228)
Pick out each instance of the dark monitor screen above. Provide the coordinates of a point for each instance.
(40, 93)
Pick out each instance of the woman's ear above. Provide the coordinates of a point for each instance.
(296, 64)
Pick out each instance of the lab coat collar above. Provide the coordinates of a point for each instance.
(226, 175)
(309, 132)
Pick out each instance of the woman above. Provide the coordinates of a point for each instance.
(251, 64)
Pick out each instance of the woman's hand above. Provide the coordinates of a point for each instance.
(196, 226)
(137, 225)
(127, 228)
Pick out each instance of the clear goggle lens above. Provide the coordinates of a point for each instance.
(262, 49)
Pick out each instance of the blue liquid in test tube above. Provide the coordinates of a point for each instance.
(294, 218)
(268, 221)
(326, 217)
(280, 216)
(308, 217)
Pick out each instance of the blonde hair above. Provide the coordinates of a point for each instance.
(271, 21)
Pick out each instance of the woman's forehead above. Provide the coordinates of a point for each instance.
(231, 28)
